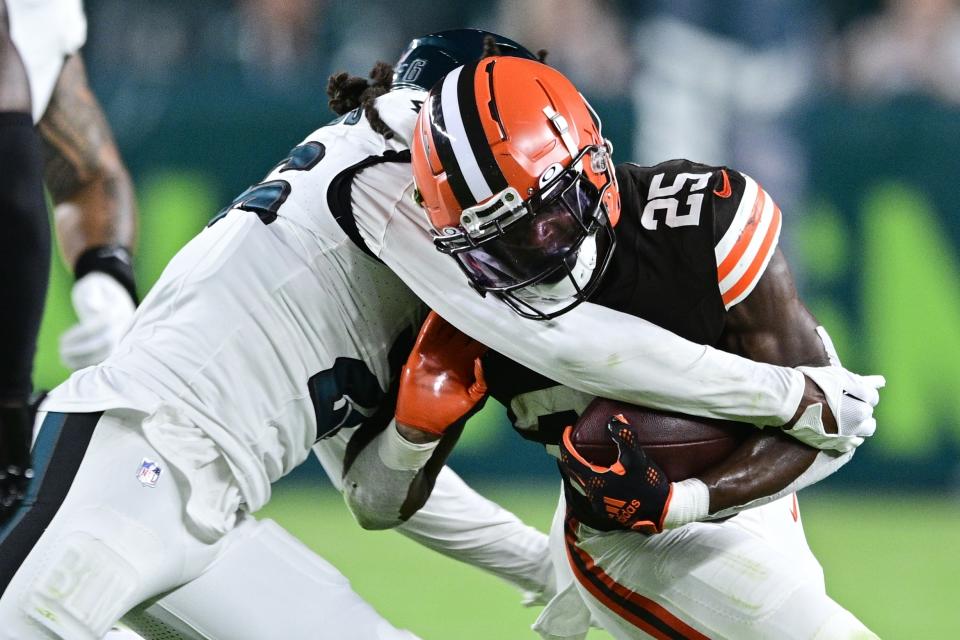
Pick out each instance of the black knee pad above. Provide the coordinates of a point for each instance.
(24, 252)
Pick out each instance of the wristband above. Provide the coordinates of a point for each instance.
(113, 260)
(690, 502)
(399, 454)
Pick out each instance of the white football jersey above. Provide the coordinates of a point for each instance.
(271, 328)
(45, 33)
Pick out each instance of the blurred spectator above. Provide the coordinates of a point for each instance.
(588, 41)
(276, 34)
(365, 32)
(147, 40)
(719, 85)
(911, 46)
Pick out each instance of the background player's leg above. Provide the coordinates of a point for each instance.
(25, 241)
(265, 584)
(101, 530)
(704, 580)
(24, 264)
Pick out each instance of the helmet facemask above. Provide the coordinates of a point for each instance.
(545, 254)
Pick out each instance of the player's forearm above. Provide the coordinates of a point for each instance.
(392, 477)
(766, 468)
(607, 353)
(378, 482)
(824, 464)
(91, 189)
(763, 466)
(101, 213)
(638, 362)
(771, 326)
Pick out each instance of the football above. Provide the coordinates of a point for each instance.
(682, 445)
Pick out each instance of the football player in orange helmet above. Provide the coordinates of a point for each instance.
(518, 184)
(529, 216)
(511, 169)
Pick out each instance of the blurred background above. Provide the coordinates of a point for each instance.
(847, 112)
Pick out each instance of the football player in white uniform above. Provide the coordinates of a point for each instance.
(43, 81)
(711, 271)
(299, 313)
(273, 329)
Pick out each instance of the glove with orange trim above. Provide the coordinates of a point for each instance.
(633, 493)
(442, 382)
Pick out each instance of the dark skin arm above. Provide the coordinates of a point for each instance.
(772, 325)
(91, 189)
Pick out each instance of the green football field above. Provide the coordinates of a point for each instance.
(893, 561)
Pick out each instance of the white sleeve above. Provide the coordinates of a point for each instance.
(461, 524)
(592, 348)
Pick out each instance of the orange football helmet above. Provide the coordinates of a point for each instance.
(518, 183)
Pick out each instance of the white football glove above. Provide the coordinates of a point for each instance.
(104, 309)
(851, 398)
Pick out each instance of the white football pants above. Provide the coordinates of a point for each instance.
(103, 530)
(267, 584)
(751, 577)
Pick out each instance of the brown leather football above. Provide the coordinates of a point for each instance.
(682, 445)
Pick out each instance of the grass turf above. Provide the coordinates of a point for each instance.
(893, 561)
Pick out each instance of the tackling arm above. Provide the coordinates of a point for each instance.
(601, 351)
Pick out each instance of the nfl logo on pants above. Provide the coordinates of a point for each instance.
(149, 473)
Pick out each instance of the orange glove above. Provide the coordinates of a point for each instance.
(442, 383)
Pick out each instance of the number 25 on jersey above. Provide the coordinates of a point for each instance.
(667, 199)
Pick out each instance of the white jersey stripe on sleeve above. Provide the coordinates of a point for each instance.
(740, 219)
(743, 287)
(741, 258)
